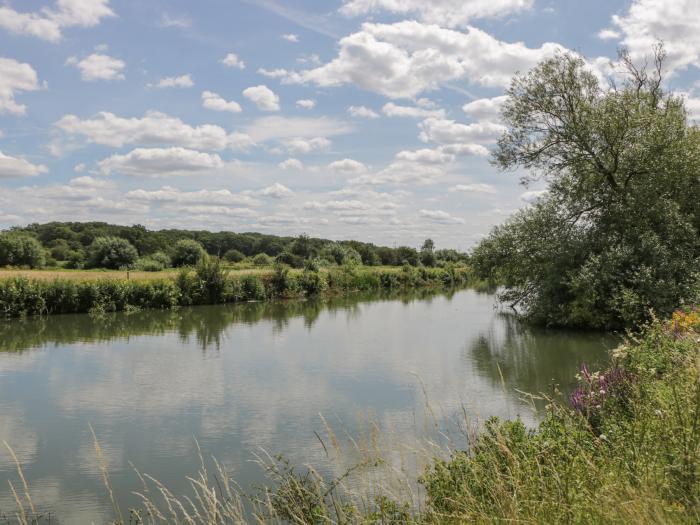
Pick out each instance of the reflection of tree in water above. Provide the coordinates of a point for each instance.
(207, 324)
(532, 359)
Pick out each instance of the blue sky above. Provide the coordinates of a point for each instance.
(367, 119)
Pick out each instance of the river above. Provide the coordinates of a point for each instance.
(239, 379)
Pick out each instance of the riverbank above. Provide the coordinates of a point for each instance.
(24, 295)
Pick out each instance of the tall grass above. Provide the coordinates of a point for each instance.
(208, 283)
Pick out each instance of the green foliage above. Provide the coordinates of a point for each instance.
(213, 280)
(234, 256)
(262, 259)
(187, 252)
(112, 252)
(616, 235)
(18, 249)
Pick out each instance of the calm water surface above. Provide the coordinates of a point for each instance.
(240, 377)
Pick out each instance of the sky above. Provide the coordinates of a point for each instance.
(343, 119)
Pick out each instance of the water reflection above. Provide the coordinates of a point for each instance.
(254, 375)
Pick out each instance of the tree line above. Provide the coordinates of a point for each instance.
(103, 245)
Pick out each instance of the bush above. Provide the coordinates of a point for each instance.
(262, 259)
(290, 259)
(161, 258)
(18, 249)
(147, 264)
(187, 252)
(112, 253)
(234, 256)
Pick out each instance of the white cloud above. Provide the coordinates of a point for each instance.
(205, 211)
(349, 205)
(608, 34)
(276, 191)
(80, 168)
(440, 217)
(291, 164)
(240, 141)
(160, 162)
(692, 105)
(449, 13)
(401, 172)
(448, 132)
(392, 110)
(11, 167)
(306, 103)
(473, 188)
(532, 195)
(675, 22)
(168, 194)
(88, 182)
(404, 59)
(183, 81)
(153, 128)
(289, 37)
(15, 76)
(273, 73)
(276, 127)
(347, 166)
(362, 112)
(216, 102)
(263, 97)
(485, 108)
(232, 60)
(303, 146)
(426, 156)
(98, 67)
(180, 21)
(48, 23)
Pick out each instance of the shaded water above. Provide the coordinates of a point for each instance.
(240, 377)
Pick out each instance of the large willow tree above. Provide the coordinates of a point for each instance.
(615, 238)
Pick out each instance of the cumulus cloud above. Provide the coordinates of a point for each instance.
(302, 146)
(532, 195)
(393, 110)
(362, 112)
(98, 67)
(675, 22)
(276, 191)
(48, 23)
(449, 13)
(449, 132)
(273, 73)
(306, 103)
(160, 162)
(168, 194)
(440, 217)
(14, 77)
(263, 97)
(154, 127)
(473, 188)
(232, 60)
(485, 108)
(426, 156)
(401, 172)
(291, 164)
(276, 128)
(216, 102)
(404, 59)
(183, 81)
(11, 167)
(347, 166)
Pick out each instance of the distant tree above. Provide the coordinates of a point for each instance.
(187, 252)
(19, 249)
(407, 255)
(262, 259)
(112, 252)
(302, 246)
(234, 256)
(427, 253)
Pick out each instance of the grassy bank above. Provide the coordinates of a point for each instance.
(209, 283)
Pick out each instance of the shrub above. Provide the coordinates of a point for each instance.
(18, 249)
(253, 288)
(262, 259)
(213, 280)
(290, 259)
(162, 258)
(187, 252)
(112, 253)
(234, 256)
(147, 264)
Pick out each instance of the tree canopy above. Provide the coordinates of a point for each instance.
(615, 236)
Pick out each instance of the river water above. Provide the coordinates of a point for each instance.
(239, 379)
